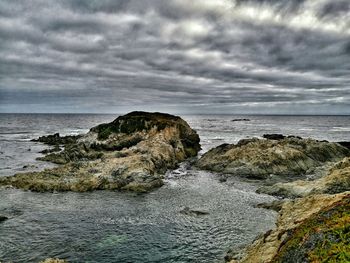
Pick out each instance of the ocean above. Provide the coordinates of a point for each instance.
(109, 226)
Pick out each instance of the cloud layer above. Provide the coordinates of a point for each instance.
(198, 56)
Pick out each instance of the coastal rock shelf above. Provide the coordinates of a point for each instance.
(130, 153)
(336, 180)
(314, 227)
(261, 158)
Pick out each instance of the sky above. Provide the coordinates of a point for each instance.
(177, 56)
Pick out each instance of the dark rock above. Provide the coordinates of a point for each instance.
(56, 139)
(223, 179)
(274, 136)
(51, 150)
(191, 212)
(345, 144)
(3, 218)
(240, 120)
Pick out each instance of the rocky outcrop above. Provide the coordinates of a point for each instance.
(310, 229)
(56, 139)
(337, 180)
(130, 153)
(313, 228)
(288, 157)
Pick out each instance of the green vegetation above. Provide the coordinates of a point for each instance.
(325, 237)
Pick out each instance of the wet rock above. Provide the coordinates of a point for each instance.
(131, 153)
(274, 136)
(223, 179)
(256, 158)
(234, 120)
(51, 150)
(3, 218)
(190, 212)
(56, 139)
(345, 144)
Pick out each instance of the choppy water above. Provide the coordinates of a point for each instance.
(107, 226)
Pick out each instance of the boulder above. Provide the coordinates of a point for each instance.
(290, 157)
(131, 153)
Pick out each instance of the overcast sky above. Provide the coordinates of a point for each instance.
(178, 56)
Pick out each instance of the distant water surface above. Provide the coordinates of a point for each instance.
(106, 226)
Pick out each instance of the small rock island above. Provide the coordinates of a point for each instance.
(131, 153)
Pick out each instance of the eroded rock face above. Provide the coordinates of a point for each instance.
(283, 156)
(131, 153)
(337, 180)
(310, 229)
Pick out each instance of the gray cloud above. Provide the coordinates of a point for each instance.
(180, 56)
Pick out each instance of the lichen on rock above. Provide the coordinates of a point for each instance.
(131, 153)
(310, 229)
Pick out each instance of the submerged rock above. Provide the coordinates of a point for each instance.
(190, 212)
(3, 218)
(259, 158)
(131, 153)
(235, 120)
(54, 260)
(311, 229)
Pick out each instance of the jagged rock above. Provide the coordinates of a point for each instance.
(51, 150)
(337, 180)
(259, 158)
(131, 153)
(311, 229)
(56, 139)
(191, 212)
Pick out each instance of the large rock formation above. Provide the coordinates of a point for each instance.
(283, 156)
(311, 229)
(314, 228)
(130, 153)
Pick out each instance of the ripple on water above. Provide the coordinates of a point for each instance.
(124, 227)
